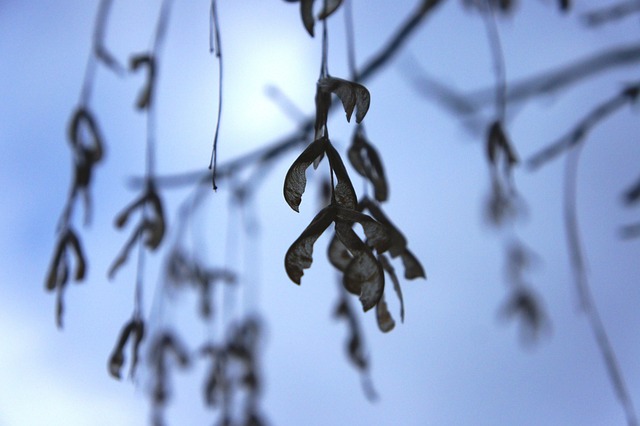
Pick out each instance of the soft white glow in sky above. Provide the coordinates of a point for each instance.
(453, 362)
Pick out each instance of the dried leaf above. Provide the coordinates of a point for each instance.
(83, 123)
(353, 95)
(412, 267)
(296, 179)
(383, 316)
(363, 275)
(341, 258)
(218, 384)
(146, 95)
(136, 327)
(123, 217)
(355, 347)
(155, 227)
(343, 193)
(151, 229)
(81, 264)
(365, 160)
(83, 169)
(338, 254)
(524, 305)
(503, 203)
(564, 5)
(59, 269)
(58, 275)
(330, 6)
(389, 269)
(299, 256)
(162, 344)
(170, 344)
(398, 243)
(377, 234)
(86, 141)
(154, 233)
(306, 12)
(497, 141)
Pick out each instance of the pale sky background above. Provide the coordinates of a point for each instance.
(453, 361)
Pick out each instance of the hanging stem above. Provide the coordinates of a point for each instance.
(158, 39)
(587, 302)
(351, 43)
(324, 70)
(215, 47)
(498, 61)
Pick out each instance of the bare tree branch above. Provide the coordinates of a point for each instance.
(583, 127)
(608, 14)
(273, 150)
(540, 84)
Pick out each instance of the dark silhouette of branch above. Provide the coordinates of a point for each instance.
(395, 43)
(575, 72)
(215, 46)
(611, 13)
(537, 85)
(298, 137)
(580, 131)
(587, 301)
(98, 52)
(542, 84)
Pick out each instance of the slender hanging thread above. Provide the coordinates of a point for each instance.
(215, 47)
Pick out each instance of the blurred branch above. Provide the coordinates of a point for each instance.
(580, 131)
(395, 43)
(275, 149)
(608, 14)
(524, 89)
(587, 301)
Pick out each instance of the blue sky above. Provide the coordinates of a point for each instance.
(453, 361)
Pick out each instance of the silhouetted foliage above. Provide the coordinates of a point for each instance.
(363, 242)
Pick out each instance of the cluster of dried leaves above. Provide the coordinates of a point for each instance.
(503, 204)
(165, 350)
(359, 258)
(234, 378)
(362, 239)
(58, 275)
(87, 147)
(522, 302)
(183, 270)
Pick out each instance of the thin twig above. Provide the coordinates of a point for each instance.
(216, 47)
(99, 36)
(324, 66)
(90, 69)
(611, 13)
(498, 62)
(587, 301)
(156, 46)
(395, 43)
(584, 126)
(351, 39)
(284, 144)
